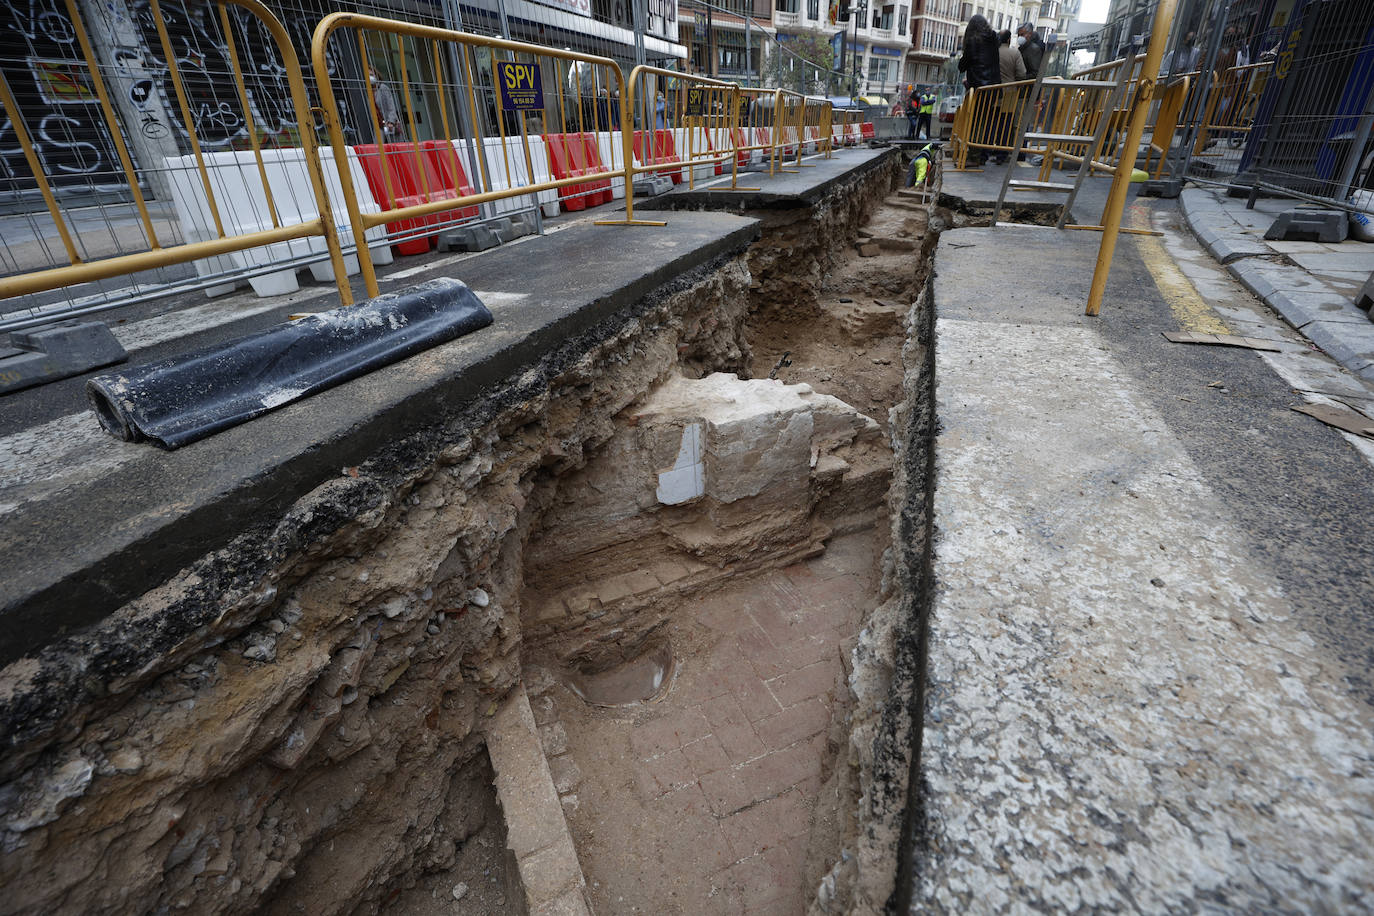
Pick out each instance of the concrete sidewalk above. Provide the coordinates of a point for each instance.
(1313, 285)
(1153, 607)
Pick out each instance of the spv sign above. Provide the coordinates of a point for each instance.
(521, 87)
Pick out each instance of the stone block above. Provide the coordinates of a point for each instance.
(506, 230)
(1365, 300)
(1161, 187)
(570, 904)
(534, 816)
(869, 251)
(895, 244)
(612, 590)
(1310, 226)
(279, 283)
(652, 185)
(550, 872)
(56, 352)
(469, 238)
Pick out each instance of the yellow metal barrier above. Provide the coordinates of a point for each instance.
(699, 104)
(800, 122)
(1116, 198)
(761, 106)
(1171, 102)
(160, 253)
(510, 78)
(988, 117)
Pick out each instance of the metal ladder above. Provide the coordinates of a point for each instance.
(1116, 87)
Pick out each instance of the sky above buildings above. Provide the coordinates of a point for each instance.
(1093, 11)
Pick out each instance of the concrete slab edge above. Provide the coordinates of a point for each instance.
(721, 198)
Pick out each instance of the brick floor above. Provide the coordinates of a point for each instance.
(703, 802)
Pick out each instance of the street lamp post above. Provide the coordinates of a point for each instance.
(860, 10)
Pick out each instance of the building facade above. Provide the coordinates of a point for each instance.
(936, 29)
(870, 48)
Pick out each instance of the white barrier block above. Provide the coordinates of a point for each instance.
(610, 144)
(691, 142)
(513, 158)
(242, 203)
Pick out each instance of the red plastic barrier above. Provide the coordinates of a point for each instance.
(661, 148)
(414, 175)
(572, 156)
(763, 136)
(741, 136)
(867, 131)
(443, 158)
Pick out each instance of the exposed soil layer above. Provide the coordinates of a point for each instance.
(468, 868)
(851, 347)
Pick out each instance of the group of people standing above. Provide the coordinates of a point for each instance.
(989, 58)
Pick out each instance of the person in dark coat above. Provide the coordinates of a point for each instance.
(979, 64)
(1032, 49)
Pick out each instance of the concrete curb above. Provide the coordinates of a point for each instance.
(1336, 326)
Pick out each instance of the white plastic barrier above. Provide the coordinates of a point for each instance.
(720, 140)
(513, 158)
(610, 144)
(242, 203)
(692, 144)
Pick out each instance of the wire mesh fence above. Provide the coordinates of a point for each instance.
(1280, 100)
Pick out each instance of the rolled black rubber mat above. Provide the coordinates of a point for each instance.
(179, 400)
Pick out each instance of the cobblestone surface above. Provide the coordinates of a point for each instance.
(717, 797)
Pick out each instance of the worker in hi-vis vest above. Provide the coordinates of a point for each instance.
(927, 109)
(920, 166)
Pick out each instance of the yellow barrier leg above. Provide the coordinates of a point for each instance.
(1116, 202)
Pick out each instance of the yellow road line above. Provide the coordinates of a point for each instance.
(1191, 310)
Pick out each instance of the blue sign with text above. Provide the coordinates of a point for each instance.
(521, 87)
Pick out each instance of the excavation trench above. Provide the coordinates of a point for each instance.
(698, 729)
(629, 643)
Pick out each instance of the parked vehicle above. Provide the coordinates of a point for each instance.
(944, 113)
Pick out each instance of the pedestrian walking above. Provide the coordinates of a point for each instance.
(384, 102)
(913, 112)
